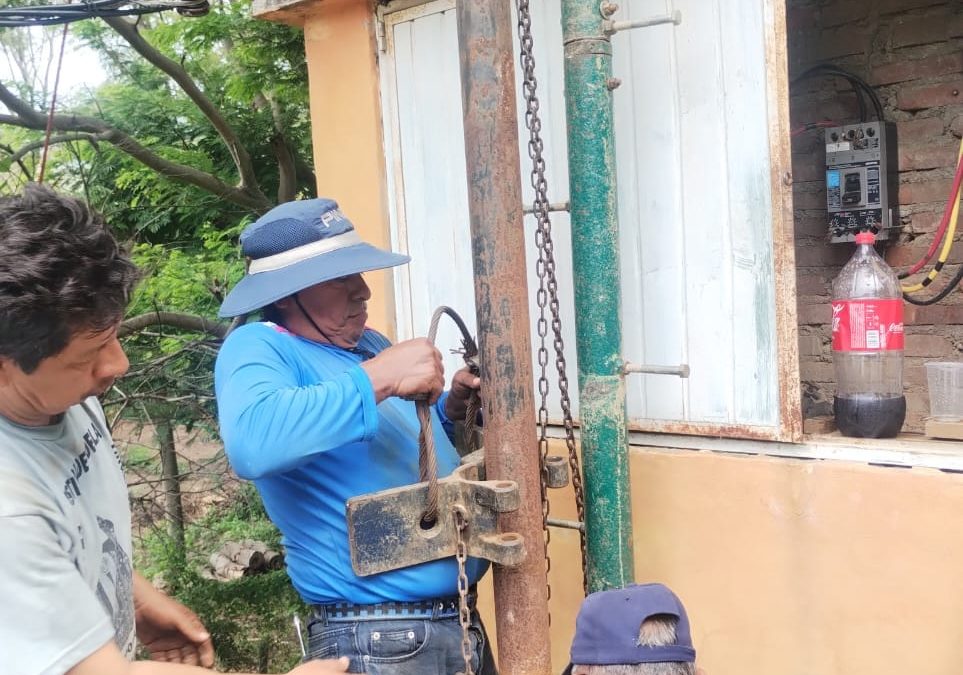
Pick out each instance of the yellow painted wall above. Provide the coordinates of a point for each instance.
(349, 158)
(793, 567)
(787, 567)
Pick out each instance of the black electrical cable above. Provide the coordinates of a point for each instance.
(859, 85)
(856, 90)
(949, 288)
(48, 15)
(853, 78)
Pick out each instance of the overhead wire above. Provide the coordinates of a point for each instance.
(47, 15)
(53, 106)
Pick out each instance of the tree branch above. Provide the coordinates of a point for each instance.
(290, 160)
(197, 324)
(287, 168)
(60, 138)
(239, 154)
(287, 173)
(305, 173)
(23, 167)
(25, 116)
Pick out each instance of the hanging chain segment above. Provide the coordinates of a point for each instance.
(428, 470)
(464, 611)
(547, 294)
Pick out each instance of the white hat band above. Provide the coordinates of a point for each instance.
(296, 255)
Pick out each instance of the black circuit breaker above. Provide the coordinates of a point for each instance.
(861, 180)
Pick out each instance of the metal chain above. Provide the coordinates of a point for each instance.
(464, 611)
(428, 470)
(547, 294)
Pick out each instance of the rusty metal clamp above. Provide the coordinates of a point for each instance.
(385, 529)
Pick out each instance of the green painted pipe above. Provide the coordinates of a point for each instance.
(595, 253)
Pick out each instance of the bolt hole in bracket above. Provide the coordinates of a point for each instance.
(386, 532)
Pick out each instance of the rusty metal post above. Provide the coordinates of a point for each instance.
(501, 300)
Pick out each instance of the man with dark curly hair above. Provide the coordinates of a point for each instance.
(71, 601)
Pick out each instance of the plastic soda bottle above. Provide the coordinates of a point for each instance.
(868, 345)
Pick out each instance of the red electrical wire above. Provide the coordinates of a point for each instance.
(53, 106)
(944, 223)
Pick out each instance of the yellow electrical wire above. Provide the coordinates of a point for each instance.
(947, 242)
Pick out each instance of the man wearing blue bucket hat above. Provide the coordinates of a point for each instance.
(641, 629)
(315, 408)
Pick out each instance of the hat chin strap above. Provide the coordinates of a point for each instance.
(365, 354)
(307, 316)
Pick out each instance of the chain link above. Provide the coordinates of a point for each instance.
(464, 611)
(547, 294)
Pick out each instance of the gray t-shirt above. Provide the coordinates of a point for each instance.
(66, 585)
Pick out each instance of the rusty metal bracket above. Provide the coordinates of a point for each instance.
(385, 530)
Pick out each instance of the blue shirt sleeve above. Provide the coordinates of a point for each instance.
(446, 424)
(269, 421)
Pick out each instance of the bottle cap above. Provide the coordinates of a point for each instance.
(865, 238)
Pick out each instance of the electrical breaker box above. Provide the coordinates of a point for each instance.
(861, 175)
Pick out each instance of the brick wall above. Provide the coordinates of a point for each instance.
(911, 52)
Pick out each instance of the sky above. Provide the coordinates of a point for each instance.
(80, 68)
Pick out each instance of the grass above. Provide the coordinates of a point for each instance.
(250, 619)
(141, 457)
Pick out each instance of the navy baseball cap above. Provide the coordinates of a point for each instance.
(607, 628)
(297, 245)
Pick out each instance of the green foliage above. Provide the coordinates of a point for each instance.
(189, 278)
(170, 365)
(250, 618)
(243, 517)
(185, 241)
(140, 457)
(254, 74)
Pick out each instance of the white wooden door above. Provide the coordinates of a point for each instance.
(695, 205)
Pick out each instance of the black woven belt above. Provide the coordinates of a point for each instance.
(440, 608)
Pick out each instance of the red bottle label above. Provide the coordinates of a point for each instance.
(868, 325)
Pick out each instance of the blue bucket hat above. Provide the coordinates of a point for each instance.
(607, 628)
(297, 245)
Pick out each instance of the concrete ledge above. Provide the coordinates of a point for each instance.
(904, 451)
(291, 12)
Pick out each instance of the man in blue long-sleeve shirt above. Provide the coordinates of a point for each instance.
(313, 408)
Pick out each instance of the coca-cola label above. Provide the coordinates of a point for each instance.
(868, 325)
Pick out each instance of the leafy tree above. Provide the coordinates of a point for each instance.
(202, 121)
(202, 125)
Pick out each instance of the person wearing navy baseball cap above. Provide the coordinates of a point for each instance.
(316, 408)
(641, 629)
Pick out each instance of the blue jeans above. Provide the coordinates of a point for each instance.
(401, 646)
